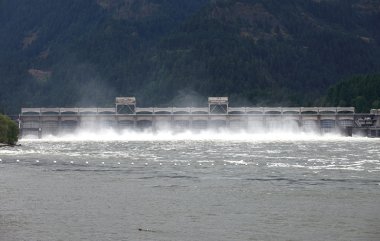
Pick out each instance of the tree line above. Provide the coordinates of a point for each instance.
(362, 92)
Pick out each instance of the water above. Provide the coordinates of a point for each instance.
(191, 187)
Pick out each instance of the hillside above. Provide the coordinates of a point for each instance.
(258, 52)
(363, 92)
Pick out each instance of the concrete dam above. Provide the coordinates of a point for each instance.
(40, 122)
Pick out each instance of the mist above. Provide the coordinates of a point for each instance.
(93, 131)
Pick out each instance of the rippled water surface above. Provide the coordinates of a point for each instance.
(190, 188)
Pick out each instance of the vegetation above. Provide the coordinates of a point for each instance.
(8, 131)
(363, 92)
(257, 52)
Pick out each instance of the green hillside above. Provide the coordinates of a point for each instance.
(363, 92)
(164, 52)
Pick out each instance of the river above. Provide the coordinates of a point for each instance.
(191, 187)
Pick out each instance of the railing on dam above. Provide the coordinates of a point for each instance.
(191, 111)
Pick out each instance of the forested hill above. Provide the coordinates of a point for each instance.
(164, 52)
(363, 92)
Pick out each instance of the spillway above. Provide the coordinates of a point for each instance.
(218, 115)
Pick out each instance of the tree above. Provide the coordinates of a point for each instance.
(360, 103)
(362, 92)
(376, 104)
(8, 131)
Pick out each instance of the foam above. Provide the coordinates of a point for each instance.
(208, 135)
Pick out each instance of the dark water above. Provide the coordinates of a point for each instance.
(298, 189)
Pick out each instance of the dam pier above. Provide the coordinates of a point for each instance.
(218, 115)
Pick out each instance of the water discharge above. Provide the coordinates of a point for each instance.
(220, 135)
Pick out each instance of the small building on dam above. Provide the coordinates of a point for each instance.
(218, 115)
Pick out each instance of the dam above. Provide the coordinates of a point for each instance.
(218, 115)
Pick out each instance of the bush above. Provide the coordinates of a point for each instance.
(8, 130)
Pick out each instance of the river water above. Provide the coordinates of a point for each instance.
(191, 187)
